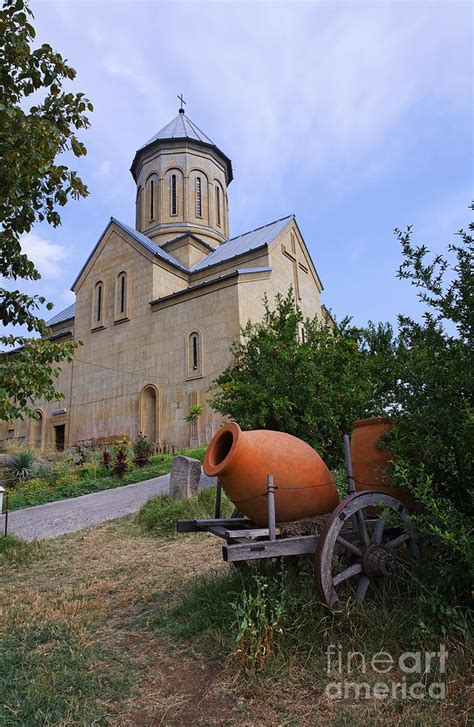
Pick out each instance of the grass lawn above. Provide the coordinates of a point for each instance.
(114, 626)
(30, 494)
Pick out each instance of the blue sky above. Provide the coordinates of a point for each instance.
(355, 116)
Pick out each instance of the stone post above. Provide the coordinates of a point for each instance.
(184, 479)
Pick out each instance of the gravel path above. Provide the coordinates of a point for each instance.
(67, 516)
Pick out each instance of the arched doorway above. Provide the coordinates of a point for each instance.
(36, 430)
(149, 413)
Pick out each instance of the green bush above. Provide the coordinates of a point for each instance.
(158, 516)
(313, 387)
(431, 392)
(446, 567)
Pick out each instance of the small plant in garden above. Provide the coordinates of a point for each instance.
(195, 411)
(141, 450)
(106, 460)
(82, 453)
(121, 463)
(20, 466)
(121, 447)
(122, 442)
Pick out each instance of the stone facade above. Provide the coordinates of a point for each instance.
(157, 308)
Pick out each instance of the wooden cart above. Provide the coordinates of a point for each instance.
(359, 541)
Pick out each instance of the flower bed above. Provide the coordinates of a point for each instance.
(75, 476)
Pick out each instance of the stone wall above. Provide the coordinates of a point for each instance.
(133, 372)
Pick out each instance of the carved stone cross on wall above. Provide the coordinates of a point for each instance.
(293, 254)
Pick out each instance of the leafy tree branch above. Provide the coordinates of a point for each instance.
(32, 188)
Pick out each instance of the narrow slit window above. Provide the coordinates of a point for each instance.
(122, 293)
(198, 197)
(99, 302)
(218, 205)
(194, 355)
(152, 199)
(173, 195)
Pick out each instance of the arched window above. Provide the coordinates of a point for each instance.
(194, 355)
(198, 197)
(99, 302)
(149, 413)
(121, 296)
(218, 204)
(195, 351)
(152, 199)
(174, 203)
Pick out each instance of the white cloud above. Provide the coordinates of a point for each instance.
(47, 256)
(137, 78)
(97, 36)
(104, 168)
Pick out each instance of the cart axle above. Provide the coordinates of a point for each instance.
(377, 562)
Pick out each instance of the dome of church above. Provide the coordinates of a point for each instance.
(182, 128)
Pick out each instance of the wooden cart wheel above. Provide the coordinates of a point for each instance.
(353, 545)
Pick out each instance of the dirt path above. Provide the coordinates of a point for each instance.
(76, 513)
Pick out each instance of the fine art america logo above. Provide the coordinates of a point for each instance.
(409, 676)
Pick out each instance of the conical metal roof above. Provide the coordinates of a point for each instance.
(181, 127)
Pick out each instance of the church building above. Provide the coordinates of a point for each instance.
(159, 305)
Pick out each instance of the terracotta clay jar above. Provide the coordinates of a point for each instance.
(304, 486)
(370, 464)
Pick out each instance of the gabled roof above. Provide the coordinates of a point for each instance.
(184, 236)
(232, 248)
(244, 243)
(142, 240)
(149, 244)
(65, 315)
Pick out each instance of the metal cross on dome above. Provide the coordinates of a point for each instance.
(182, 102)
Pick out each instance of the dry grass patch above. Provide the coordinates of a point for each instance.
(113, 625)
(70, 629)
